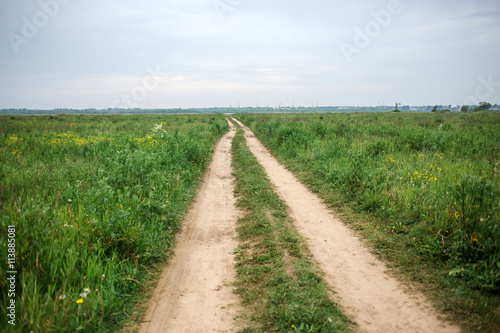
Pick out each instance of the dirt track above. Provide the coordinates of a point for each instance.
(194, 293)
(365, 291)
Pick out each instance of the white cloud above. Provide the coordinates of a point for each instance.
(92, 51)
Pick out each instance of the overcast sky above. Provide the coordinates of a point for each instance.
(206, 53)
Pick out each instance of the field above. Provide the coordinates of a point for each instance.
(95, 202)
(424, 189)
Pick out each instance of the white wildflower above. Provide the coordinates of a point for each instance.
(159, 128)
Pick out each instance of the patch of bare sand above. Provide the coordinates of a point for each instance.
(364, 290)
(194, 293)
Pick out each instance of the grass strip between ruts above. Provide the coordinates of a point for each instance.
(279, 284)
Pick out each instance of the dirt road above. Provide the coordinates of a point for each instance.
(364, 290)
(194, 293)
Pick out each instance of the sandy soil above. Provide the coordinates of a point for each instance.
(365, 291)
(194, 293)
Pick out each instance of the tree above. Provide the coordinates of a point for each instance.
(434, 108)
(396, 110)
(484, 106)
(464, 108)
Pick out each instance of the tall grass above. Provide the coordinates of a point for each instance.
(96, 201)
(431, 181)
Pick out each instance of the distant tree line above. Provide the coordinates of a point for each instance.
(481, 107)
(398, 108)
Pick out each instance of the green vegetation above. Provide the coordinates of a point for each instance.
(96, 202)
(396, 109)
(483, 106)
(279, 285)
(424, 189)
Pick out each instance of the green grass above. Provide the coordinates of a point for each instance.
(282, 290)
(424, 189)
(96, 201)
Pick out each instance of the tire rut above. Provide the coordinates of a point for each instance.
(365, 291)
(194, 292)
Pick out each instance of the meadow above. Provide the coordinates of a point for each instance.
(424, 190)
(96, 202)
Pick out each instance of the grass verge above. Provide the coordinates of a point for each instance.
(95, 202)
(279, 285)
